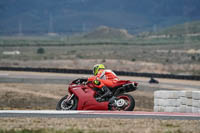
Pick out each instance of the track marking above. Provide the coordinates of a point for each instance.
(121, 113)
(143, 113)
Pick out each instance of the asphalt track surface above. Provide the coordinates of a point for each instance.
(99, 114)
(12, 77)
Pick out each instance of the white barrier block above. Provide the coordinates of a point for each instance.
(160, 102)
(182, 108)
(166, 94)
(182, 93)
(157, 94)
(183, 100)
(179, 102)
(172, 95)
(195, 103)
(166, 102)
(196, 95)
(188, 94)
(155, 108)
(188, 109)
(160, 94)
(155, 102)
(159, 109)
(178, 109)
(189, 102)
(171, 102)
(195, 110)
(170, 109)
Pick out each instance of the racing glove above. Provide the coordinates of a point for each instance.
(96, 82)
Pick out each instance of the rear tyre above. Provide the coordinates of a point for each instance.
(63, 104)
(129, 100)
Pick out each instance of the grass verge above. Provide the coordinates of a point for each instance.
(97, 125)
(71, 130)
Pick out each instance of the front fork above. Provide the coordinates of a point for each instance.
(70, 97)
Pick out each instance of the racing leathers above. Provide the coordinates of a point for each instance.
(104, 80)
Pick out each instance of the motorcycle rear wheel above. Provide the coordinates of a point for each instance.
(129, 100)
(63, 104)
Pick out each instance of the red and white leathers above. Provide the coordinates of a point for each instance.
(106, 77)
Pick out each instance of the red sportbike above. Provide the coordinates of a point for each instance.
(82, 95)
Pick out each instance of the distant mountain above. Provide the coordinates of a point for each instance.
(71, 16)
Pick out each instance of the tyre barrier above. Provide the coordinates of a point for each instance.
(177, 101)
(84, 71)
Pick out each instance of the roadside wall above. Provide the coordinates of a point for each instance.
(177, 101)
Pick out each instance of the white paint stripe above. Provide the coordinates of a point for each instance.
(98, 113)
(146, 113)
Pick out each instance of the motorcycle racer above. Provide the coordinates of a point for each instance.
(103, 79)
(103, 91)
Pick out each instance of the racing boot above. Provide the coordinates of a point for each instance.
(112, 102)
(107, 93)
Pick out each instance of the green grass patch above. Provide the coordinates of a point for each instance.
(74, 41)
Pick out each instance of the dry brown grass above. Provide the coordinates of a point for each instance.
(158, 58)
(30, 96)
(103, 125)
(114, 64)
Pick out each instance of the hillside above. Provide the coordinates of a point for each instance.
(75, 16)
(188, 32)
(188, 28)
(104, 32)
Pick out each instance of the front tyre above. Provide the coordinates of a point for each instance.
(125, 102)
(64, 104)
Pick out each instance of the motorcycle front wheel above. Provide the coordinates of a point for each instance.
(64, 104)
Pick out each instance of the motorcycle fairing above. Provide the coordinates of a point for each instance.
(86, 100)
